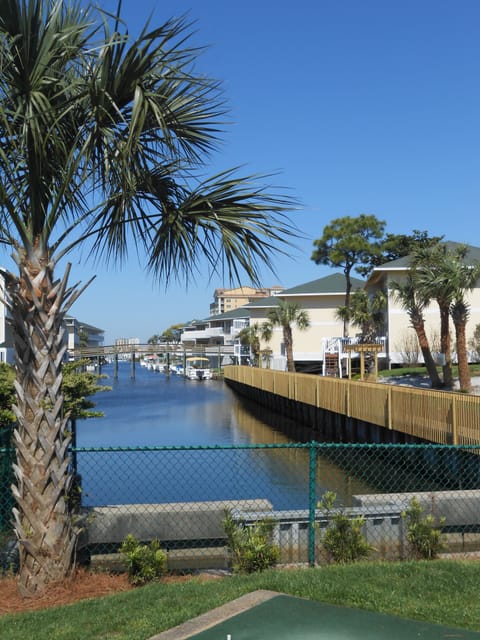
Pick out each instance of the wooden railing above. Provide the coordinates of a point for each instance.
(144, 349)
(437, 416)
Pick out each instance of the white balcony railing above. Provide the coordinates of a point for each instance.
(204, 334)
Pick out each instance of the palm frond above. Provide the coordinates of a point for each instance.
(230, 223)
(233, 223)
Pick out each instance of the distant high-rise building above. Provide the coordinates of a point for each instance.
(225, 300)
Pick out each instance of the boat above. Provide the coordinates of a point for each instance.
(197, 368)
(176, 369)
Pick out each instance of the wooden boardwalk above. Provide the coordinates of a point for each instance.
(441, 417)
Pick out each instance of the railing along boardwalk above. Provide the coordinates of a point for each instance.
(436, 416)
(145, 349)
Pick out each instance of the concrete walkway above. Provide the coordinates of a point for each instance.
(423, 382)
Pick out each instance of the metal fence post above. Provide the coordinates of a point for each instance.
(312, 501)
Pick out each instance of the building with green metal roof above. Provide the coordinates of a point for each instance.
(321, 298)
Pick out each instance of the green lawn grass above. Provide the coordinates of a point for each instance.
(440, 591)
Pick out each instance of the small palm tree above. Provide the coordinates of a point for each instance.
(103, 138)
(285, 315)
(250, 337)
(365, 312)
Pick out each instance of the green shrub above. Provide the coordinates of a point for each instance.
(145, 563)
(424, 533)
(343, 539)
(251, 546)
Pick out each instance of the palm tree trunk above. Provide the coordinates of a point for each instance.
(43, 524)
(464, 378)
(419, 327)
(348, 290)
(445, 345)
(288, 339)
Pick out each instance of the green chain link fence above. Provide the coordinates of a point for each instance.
(179, 495)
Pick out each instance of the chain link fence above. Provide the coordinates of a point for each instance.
(179, 495)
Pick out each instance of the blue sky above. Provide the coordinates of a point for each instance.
(359, 107)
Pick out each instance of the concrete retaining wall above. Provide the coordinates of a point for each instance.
(178, 521)
(459, 508)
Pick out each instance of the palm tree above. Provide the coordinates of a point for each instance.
(407, 294)
(249, 337)
(444, 276)
(284, 315)
(460, 313)
(102, 136)
(433, 282)
(365, 312)
(464, 278)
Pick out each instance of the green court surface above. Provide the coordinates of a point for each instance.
(273, 616)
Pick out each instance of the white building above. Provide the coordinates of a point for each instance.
(321, 298)
(219, 330)
(402, 345)
(6, 336)
(81, 334)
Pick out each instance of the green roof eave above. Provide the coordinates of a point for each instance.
(334, 284)
(240, 312)
(264, 303)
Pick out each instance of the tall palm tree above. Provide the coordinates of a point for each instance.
(460, 313)
(433, 281)
(284, 315)
(465, 278)
(102, 140)
(407, 294)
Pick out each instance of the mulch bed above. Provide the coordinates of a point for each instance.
(81, 585)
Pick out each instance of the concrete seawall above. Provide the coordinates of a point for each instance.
(330, 426)
(174, 521)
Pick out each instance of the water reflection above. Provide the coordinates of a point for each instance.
(267, 427)
(154, 410)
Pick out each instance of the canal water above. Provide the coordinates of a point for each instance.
(158, 410)
(154, 410)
